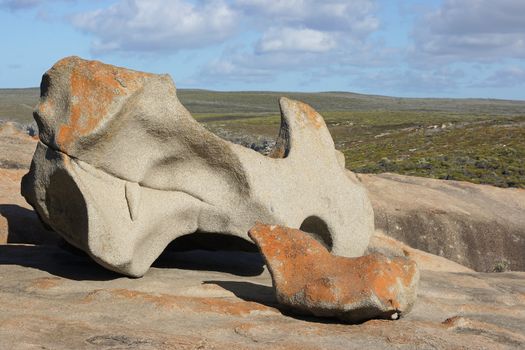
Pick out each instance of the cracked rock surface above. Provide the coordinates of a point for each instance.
(309, 279)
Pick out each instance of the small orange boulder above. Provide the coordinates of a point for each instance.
(310, 280)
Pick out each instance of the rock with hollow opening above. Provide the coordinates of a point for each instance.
(309, 279)
(122, 169)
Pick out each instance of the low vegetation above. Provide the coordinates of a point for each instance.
(477, 140)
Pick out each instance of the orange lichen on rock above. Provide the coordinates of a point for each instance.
(94, 88)
(310, 279)
(3, 230)
(311, 115)
(46, 282)
(195, 304)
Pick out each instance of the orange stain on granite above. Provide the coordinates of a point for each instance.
(302, 269)
(46, 282)
(278, 152)
(311, 115)
(196, 304)
(95, 86)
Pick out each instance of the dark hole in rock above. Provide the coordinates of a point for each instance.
(318, 229)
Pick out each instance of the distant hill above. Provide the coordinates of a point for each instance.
(477, 140)
(17, 104)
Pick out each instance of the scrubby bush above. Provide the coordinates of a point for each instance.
(501, 266)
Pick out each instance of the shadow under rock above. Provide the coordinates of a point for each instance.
(25, 227)
(64, 260)
(237, 263)
(205, 251)
(57, 261)
(265, 295)
(249, 291)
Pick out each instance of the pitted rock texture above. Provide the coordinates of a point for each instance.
(309, 279)
(122, 169)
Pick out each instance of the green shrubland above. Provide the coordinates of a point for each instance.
(477, 140)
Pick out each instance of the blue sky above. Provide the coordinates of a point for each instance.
(436, 48)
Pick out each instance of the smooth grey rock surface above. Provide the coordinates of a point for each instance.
(479, 226)
(122, 169)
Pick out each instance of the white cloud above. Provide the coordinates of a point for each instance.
(298, 35)
(14, 5)
(295, 39)
(473, 30)
(249, 66)
(230, 69)
(156, 25)
(355, 17)
(286, 34)
(161, 25)
(408, 81)
(506, 77)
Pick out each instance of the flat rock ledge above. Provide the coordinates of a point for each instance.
(53, 299)
(309, 279)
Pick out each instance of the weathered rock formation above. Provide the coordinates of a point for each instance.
(309, 279)
(221, 300)
(479, 226)
(122, 169)
(443, 217)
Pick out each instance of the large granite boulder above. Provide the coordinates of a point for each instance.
(122, 169)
